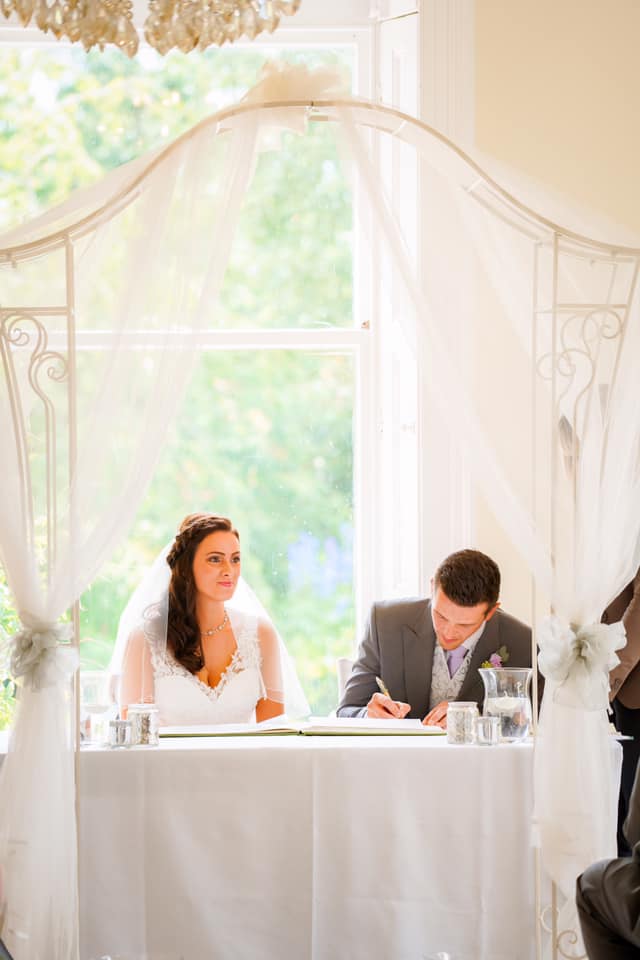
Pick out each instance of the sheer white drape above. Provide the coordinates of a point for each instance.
(527, 335)
(579, 335)
(543, 408)
(546, 412)
(102, 303)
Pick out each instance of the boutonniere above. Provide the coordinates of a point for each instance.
(497, 659)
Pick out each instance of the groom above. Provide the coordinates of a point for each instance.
(427, 652)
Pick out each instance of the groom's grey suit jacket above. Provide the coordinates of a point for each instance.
(398, 646)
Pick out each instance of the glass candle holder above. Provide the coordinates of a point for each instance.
(95, 706)
(460, 718)
(119, 733)
(487, 731)
(144, 724)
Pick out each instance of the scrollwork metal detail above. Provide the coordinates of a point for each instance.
(580, 339)
(569, 938)
(544, 923)
(576, 366)
(57, 370)
(565, 939)
(25, 331)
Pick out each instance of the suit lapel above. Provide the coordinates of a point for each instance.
(472, 686)
(418, 642)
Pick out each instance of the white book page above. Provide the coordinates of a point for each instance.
(369, 725)
(347, 726)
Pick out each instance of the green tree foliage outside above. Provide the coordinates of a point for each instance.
(286, 483)
(264, 436)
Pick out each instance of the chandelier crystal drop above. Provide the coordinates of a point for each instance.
(170, 24)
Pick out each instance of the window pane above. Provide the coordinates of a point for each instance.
(265, 438)
(291, 261)
(67, 116)
(274, 446)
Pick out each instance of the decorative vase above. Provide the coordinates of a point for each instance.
(506, 696)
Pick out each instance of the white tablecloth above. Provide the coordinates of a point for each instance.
(352, 848)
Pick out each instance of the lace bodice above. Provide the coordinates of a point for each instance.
(183, 699)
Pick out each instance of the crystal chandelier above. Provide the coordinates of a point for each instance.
(170, 24)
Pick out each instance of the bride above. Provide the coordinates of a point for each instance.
(193, 651)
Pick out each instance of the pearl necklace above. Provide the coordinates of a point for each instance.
(221, 626)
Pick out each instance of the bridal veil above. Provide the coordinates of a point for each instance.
(147, 611)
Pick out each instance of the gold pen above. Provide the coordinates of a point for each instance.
(382, 688)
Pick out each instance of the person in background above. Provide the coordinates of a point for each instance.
(608, 897)
(624, 683)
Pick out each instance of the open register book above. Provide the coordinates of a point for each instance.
(315, 726)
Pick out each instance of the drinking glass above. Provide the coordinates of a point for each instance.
(487, 731)
(95, 701)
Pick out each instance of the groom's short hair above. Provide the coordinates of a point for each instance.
(469, 577)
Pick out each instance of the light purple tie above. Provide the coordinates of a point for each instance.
(455, 659)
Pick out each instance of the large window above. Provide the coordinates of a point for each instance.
(266, 433)
(265, 438)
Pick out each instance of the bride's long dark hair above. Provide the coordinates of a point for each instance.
(183, 632)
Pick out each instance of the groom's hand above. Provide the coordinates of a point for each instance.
(384, 708)
(438, 716)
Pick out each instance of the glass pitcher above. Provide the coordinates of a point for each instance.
(506, 696)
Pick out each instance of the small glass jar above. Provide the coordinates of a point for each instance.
(144, 724)
(487, 731)
(461, 715)
(119, 733)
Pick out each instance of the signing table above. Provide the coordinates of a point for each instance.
(307, 848)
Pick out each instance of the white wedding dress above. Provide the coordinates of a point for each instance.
(183, 699)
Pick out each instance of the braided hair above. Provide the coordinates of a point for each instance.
(183, 632)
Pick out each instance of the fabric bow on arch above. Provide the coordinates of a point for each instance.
(40, 654)
(576, 660)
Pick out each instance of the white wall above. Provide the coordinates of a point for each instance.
(558, 96)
